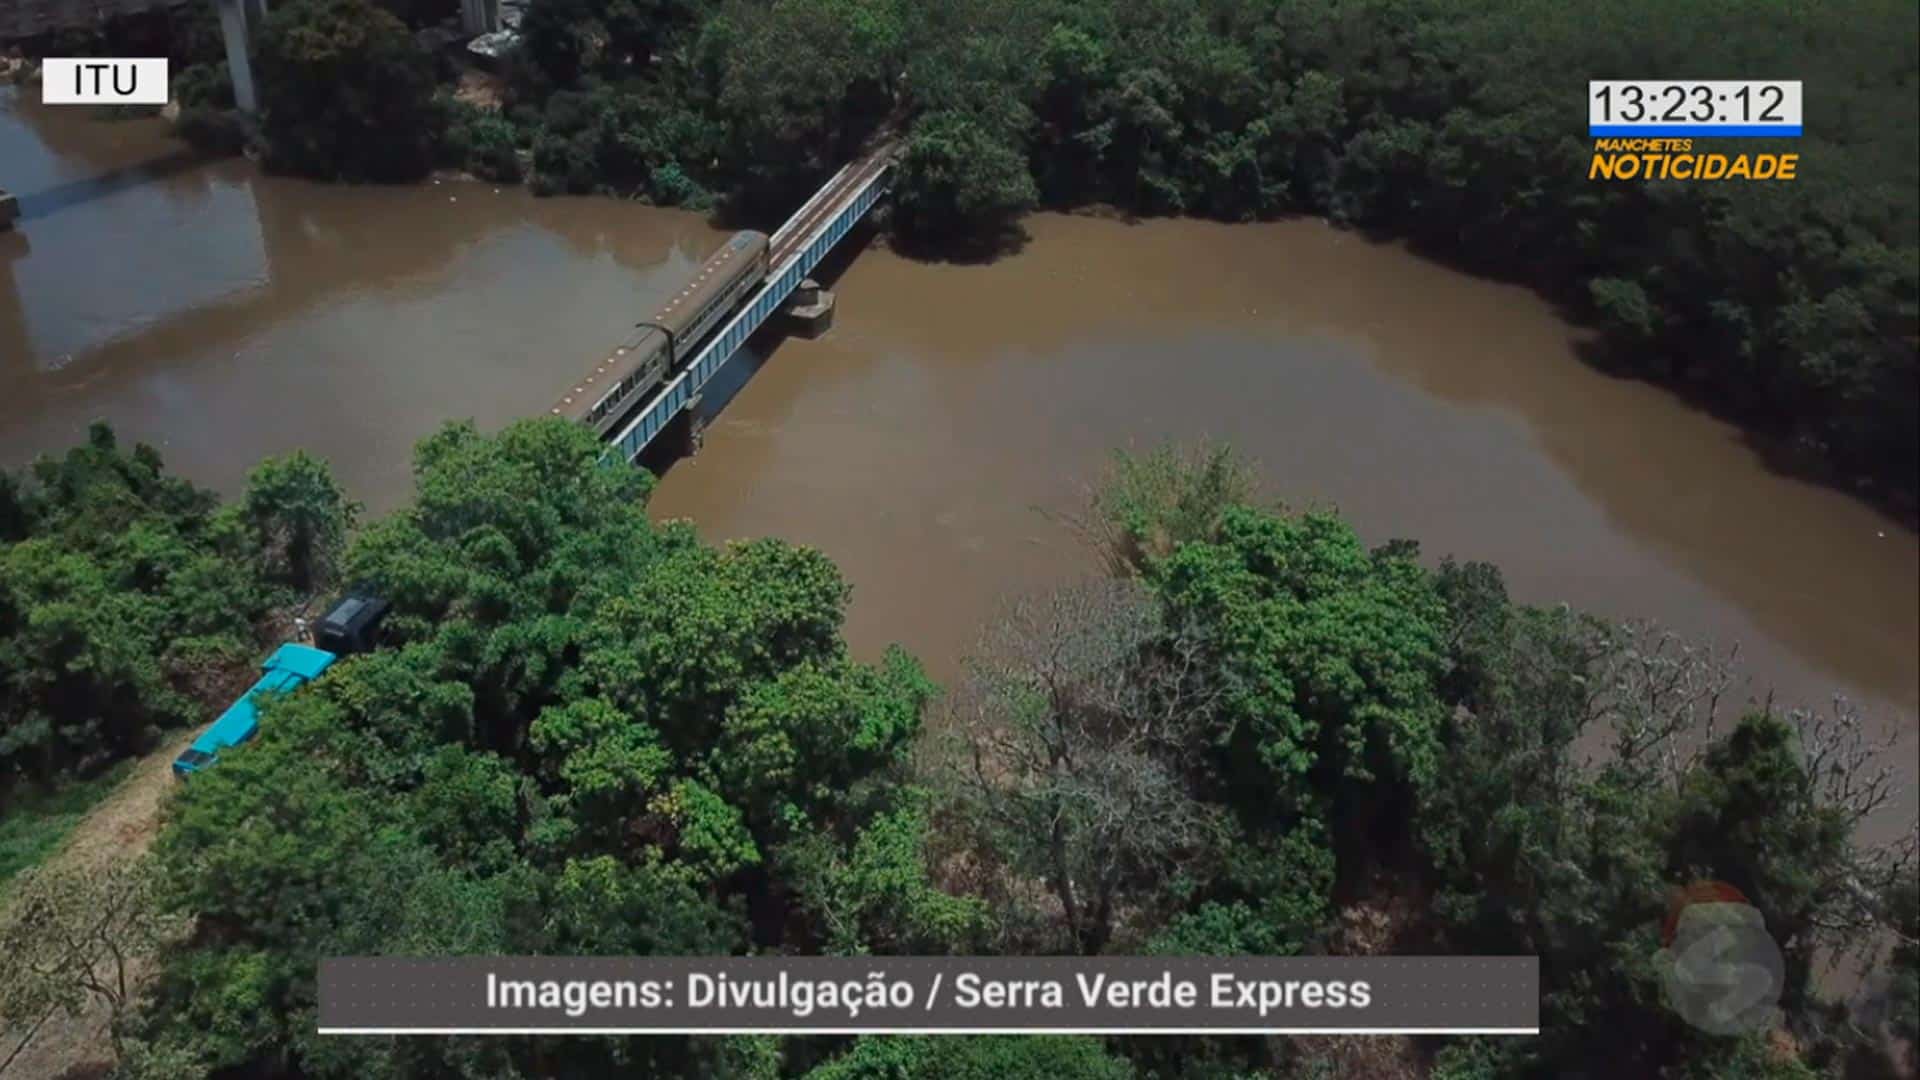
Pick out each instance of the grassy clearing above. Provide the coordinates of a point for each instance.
(35, 825)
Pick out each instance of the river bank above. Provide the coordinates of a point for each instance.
(930, 450)
(924, 442)
(1358, 116)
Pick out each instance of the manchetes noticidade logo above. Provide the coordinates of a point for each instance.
(1722, 970)
(1679, 159)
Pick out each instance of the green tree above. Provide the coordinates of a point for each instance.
(1540, 846)
(126, 606)
(590, 734)
(299, 518)
(1327, 658)
(960, 181)
(1903, 914)
(345, 92)
(797, 85)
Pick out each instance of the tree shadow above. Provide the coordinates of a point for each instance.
(974, 249)
(1769, 439)
(1763, 431)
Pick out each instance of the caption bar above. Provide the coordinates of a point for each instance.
(930, 995)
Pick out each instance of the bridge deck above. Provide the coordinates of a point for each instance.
(29, 18)
(797, 248)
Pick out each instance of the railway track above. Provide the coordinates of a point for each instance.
(792, 236)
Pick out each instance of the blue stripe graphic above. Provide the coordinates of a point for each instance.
(1681, 131)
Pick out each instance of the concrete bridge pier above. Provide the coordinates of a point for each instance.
(810, 312)
(686, 431)
(235, 16)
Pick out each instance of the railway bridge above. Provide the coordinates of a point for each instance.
(795, 250)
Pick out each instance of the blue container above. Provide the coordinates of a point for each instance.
(290, 667)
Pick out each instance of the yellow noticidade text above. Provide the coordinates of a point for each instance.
(1674, 159)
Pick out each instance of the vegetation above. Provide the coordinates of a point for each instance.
(118, 591)
(34, 825)
(592, 734)
(1793, 307)
(1248, 733)
(345, 92)
(1040, 1057)
(132, 602)
(70, 935)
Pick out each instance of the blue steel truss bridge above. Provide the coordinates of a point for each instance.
(796, 249)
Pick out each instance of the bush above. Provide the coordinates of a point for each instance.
(480, 141)
(564, 164)
(212, 130)
(494, 152)
(204, 84)
(671, 186)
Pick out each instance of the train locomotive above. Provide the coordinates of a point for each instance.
(601, 397)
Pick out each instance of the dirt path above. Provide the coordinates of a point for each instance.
(121, 827)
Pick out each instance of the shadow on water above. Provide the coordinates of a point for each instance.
(60, 197)
(973, 250)
(1765, 432)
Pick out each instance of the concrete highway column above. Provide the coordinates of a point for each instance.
(479, 16)
(233, 31)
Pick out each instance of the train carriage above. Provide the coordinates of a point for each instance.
(613, 387)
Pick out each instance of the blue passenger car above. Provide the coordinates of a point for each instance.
(290, 667)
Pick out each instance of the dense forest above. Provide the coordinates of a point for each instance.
(1244, 732)
(130, 599)
(1458, 127)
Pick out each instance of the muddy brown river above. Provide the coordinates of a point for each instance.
(926, 441)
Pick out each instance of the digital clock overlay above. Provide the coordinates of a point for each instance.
(1648, 108)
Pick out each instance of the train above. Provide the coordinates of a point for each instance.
(350, 626)
(605, 394)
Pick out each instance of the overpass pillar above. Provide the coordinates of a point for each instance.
(233, 31)
(479, 16)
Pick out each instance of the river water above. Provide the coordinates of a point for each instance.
(930, 440)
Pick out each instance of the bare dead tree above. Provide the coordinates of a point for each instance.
(1659, 696)
(1849, 772)
(73, 935)
(1074, 728)
(1847, 764)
